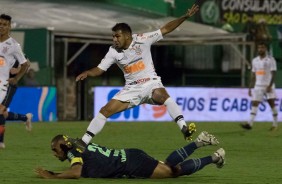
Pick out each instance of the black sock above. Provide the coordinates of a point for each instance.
(15, 116)
(180, 154)
(193, 165)
(2, 137)
(90, 133)
(2, 127)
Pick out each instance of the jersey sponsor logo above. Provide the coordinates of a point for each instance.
(260, 72)
(2, 61)
(135, 67)
(153, 35)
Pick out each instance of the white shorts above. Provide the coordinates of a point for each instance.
(137, 94)
(259, 93)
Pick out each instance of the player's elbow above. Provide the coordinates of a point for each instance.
(164, 31)
(76, 176)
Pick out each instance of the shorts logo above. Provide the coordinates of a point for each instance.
(135, 67)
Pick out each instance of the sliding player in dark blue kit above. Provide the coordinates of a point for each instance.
(100, 162)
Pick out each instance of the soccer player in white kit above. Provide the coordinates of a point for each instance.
(142, 85)
(262, 81)
(10, 51)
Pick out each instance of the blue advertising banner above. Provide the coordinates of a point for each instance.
(197, 104)
(40, 101)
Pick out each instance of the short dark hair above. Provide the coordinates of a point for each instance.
(123, 27)
(58, 138)
(262, 43)
(6, 17)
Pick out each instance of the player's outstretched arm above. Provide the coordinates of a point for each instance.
(172, 25)
(73, 173)
(92, 72)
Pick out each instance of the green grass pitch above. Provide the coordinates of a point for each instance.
(252, 157)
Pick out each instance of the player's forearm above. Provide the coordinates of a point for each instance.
(252, 81)
(272, 78)
(68, 174)
(94, 72)
(22, 71)
(65, 175)
(172, 25)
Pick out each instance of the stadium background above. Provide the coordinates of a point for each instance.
(61, 52)
(253, 157)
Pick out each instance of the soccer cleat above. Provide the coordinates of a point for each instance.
(207, 139)
(246, 126)
(188, 132)
(28, 125)
(273, 128)
(2, 145)
(220, 153)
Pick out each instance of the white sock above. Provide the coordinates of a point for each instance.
(275, 115)
(253, 115)
(175, 112)
(95, 126)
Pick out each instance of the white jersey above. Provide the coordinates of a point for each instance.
(262, 69)
(136, 61)
(10, 51)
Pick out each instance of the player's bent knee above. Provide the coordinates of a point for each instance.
(2, 129)
(162, 171)
(2, 109)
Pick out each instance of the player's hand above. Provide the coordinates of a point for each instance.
(44, 173)
(14, 71)
(81, 76)
(12, 81)
(193, 10)
(250, 92)
(268, 89)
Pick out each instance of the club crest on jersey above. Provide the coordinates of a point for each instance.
(5, 50)
(138, 50)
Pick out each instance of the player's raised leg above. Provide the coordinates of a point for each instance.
(181, 154)
(27, 118)
(160, 96)
(2, 126)
(191, 166)
(98, 122)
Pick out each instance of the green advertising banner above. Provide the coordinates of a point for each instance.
(236, 11)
